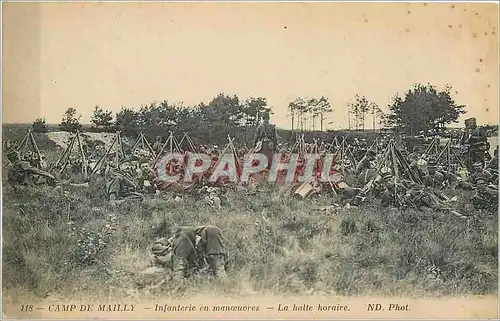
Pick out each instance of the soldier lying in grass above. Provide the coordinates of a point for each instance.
(21, 172)
(192, 250)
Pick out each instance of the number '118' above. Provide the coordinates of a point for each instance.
(26, 308)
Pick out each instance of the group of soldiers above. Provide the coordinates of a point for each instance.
(403, 191)
(192, 250)
(196, 249)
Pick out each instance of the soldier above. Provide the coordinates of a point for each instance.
(162, 252)
(476, 143)
(184, 254)
(146, 178)
(266, 139)
(433, 178)
(420, 166)
(20, 172)
(211, 249)
(480, 176)
(119, 187)
(366, 161)
(486, 197)
(213, 198)
(381, 182)
(493, 163)
(394, 195)
(421, 198)
(157, 145)
(451, 178)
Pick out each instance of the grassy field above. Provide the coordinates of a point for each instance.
(78, 245)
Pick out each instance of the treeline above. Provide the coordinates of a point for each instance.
(422, 109)
(206, 123)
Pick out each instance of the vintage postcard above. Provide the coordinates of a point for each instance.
(245, 160)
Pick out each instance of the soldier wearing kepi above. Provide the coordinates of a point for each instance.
(266, 139)
(433, 177)
(475, 143)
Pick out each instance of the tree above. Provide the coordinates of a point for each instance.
(312, 109)
(40, 126)
(358, 108)
(127, 121)
(298, 110)
(423, 108)
(323, 107)
(376, 112)
(222, 116)
(253, 109)
(101, 117)
(70, 122)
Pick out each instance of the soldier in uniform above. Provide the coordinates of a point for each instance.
(266, 139)
(191, 249)
(20, 172)
(365, 162)
(433, 177)
(480, 176)
(394, 194)
(211, 249)
(184, 258)
(157, 145)
(486, 196)
(119, 187)
(162, 252)
(146, 178)
(422, 198)
(476, 141)
(493, 163)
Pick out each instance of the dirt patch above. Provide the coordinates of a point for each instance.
(62, 139)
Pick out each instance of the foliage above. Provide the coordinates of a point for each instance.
(40, 126)
(224, 115)
(70, 122)
(305, 112)
(127, 121)
(423, 109)
(361, 106)
(101, 117)
(253, 109)
(229, 115)
(275, 246)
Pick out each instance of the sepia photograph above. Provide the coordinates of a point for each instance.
(250, 160)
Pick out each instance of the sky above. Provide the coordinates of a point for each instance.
(60, 55)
